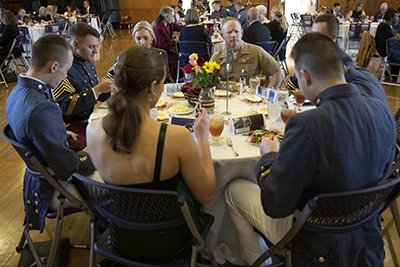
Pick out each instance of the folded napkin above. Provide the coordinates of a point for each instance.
(191, 94)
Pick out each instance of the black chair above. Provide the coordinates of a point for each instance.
(392, 48)
(26, 40)
(106, 25)
(269, 46)
(6, 62)
(139, 209)
(186, 48)
(64, 208)
(280, 56)
(63, 25)
(355, 32)
(295, 27)
(17, 53)
(306, 22)
(332, 213)
(55, 28)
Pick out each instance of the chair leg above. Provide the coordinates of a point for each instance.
(93, 238)
(30, 244)
(21, 243)
(395, 211)
(4, 79)
(194, 256)
(57, 233)
(15, 63)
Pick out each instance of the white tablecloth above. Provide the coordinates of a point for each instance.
(94, 22)
(35, 32)
(344, 32)
(222, 238)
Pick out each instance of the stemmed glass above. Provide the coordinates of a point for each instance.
(254, 83)
(281, 96)
(286, 113)
(274, 111)
(299, 97)
(216, 129)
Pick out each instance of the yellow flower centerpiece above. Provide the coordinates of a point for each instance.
(206, 75)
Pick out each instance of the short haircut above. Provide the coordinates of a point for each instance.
(229, 19)
(87, 1)
(180, 2)
(336, 4)
(50, 47)
(332, 23)
(192, 16)
(358, 4)
(390, 13)
(262, 9)
(216, 2)
(230, 1)
(313, 51)
(9, 18)
(240, 3)
(81, 30)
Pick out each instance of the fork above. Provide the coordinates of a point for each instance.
(230, 144)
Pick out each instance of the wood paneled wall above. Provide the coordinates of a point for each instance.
(370, 6)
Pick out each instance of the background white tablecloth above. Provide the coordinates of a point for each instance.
(344, 32)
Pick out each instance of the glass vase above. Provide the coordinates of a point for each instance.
(206, 99)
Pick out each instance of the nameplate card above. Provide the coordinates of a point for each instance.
(245, 124)
(266, 93)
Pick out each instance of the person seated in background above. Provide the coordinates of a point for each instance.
(278, 28)
(166, 39)
(42, 15)
(87, 9)
(181, 11)
(358, 12)
(2, 11)
(219, 12)
(328, 25)
(306, 164)
(231, 9)
(199, 6)
(335, 10)
(131, 149)
(255, 32)
(144, 36)
(36, 120)
(193, 32)
(385, 30)
(10, 31)
(241, 14)
(263, 12)
(177, 18)
(69, 13)
(380, 14)
(21, 17)
(50, 12)
(81, 90)
(249, 58)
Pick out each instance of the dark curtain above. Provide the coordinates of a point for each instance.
(31, 5)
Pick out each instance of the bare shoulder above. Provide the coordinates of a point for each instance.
(94, 129)
(176, 131)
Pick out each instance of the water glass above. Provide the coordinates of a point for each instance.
(274, 111)
(281, 96)
(254, 83)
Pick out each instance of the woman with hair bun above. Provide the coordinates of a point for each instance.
(165, 37)
(278, 27)
(131, 149)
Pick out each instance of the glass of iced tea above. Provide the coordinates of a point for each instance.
(263, 80)
(286, 113)
(216, 129)
(299, 97)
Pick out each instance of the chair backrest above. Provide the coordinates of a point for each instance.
(269, 46)
(186, 48)
(295, 17)
(18, 41)
(356, 30)
(282, 46)
(345, 211)
(139, 209)
(55, 28)
(392, 45)
(27, 38)
(34, 165)
(306, 20)
(85, 20)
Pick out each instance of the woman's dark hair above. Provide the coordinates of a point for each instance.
(136, 69)
(357, 5)
(164, 12)
(390, 13)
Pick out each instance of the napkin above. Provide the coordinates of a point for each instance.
(191, 94)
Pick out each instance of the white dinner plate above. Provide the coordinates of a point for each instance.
(254, 99)
(180, 113)
(221, 93)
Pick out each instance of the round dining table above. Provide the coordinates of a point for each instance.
(222, 238)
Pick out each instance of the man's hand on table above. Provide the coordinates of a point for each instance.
(269, 144)
(202, 124)
(105, 86)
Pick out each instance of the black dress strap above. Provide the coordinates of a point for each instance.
(159, 153)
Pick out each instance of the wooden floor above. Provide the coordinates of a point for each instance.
(76, 227)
